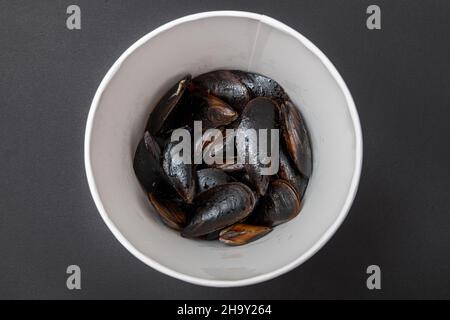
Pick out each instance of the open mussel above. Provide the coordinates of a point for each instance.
(166, 104)
(223, 84)
(210, 110)
(172, 212)
(259, 113)
(296, 137)
(219, 207)
(279, 205)
(213, 112)
(240, 233)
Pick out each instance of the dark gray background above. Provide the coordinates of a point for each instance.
(399, 78)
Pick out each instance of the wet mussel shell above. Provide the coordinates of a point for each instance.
(287, 171)
(210, 177)
(166, 104)
(146, 163)
(210, 110)
(279, 205)
(240, 234)
(261, 86)
(180, 174)
(225, 85)
(172, 212)
(259, 113)
(245, 179)
(219, 207)
(296, 137)
(214, 112)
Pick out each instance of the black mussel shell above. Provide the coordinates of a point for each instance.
(211, 177)
(244, 178)
(147, 163)
(220, 207)
(296, 137)
(287, 171)
(214, 112)
(261, 86)
(225, 85)
(259, 113)
(172, 212)
(210, 110)
(166, 104)
(180, 175)
(240, 233)
(279, 205)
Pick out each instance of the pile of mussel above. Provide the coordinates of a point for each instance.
(232, 202)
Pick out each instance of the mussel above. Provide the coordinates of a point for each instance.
(287, 171)
(259, 113)
(240, 233)
(166, 104)
(261, 86)
(214, 112)
(211, 177)
(180, 174)
(210, 110)
(296, 137)
(219, 207)
(172, 212)
(280, 204)
(223, 84)
(245, 179)
(147, 164)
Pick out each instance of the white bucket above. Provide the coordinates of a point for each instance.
(196, 44)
